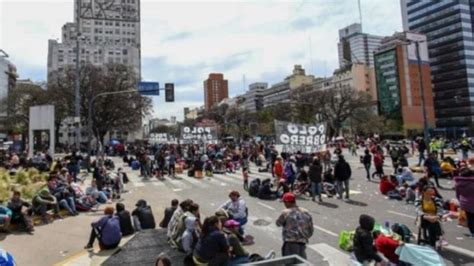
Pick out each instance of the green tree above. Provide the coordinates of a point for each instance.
(112, 112)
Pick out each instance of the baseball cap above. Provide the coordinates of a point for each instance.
(231, 223)
(289, 197)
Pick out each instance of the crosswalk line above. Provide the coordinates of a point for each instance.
(232, 178)
(194, 181)
(332, 255)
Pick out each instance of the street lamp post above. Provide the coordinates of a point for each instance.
(422, 91)
(77, 109)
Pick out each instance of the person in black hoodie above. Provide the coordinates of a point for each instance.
(364, 248)
(342, 172)
(143, 216)
(125, 220)
(315, 175)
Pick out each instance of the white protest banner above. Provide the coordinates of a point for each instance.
(291, 137)
(198, 135)
(158, 138)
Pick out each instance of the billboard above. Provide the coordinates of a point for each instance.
(307, 138)
(197, 135)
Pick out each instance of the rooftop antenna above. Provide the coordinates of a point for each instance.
(360, 15)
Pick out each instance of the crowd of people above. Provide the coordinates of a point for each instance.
(220, 238)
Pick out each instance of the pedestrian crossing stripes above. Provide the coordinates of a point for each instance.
(183, 182)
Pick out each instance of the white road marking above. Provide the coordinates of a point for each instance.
(325, 231)
(402, 214)
(177, 189)
(332, 255)
(195, 182)
(266, 206)
(228, 178)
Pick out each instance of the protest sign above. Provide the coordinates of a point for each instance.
(198, 135)
(291, 137)
(158, 138)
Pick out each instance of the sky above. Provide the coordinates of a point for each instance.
(184, 41)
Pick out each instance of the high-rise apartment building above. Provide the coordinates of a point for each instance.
(448, 25)
(109, 33)
(8, 77)
(357, 47)
(398, 81)
(216, 89)
(253, 98)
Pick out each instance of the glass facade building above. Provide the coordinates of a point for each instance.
(448, 25)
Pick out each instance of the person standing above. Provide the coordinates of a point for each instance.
(297, 227)
(342, 172)
(366, 160)
(315, 175)
(171, 164)
(464, 193)
(433, 168)
(421, 151)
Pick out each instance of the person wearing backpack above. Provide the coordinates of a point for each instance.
(297, 227)
(342, 172)
(106, 230)
(143, 216)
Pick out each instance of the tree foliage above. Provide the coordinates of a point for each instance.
(110, 112)
(18, 104)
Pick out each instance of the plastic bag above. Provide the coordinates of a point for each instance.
(419, 255)
(346, 240)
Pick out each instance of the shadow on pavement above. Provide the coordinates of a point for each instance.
(328, 204)
(456, 258)
(356, 203)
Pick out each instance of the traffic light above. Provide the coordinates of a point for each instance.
(169, 92)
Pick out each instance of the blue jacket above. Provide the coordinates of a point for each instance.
(212, 244)
(109, 228)
(5, 211)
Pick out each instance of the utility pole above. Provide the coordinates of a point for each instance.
(77, 109)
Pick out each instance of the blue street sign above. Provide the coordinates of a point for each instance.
(149, 88)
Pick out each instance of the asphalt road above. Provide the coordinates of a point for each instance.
(64, 239)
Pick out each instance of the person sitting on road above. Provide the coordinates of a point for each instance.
(169, 213)
(98, 195)
(64, 195)
(404, 174)
(42, 202)
(125, 220)
(386, 185)
(5, 217)
(177, 214)
(106, 230)
(238, 253)
(16, 205)
(191, 225)
(143, 216)
(237, 208)
(387, 246)
(447, 167)
(429, 209)
(212, 247)
(364, 249)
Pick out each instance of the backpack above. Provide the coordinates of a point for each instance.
(264, 191)
(253, 187)
(288, 171)
(403, 231)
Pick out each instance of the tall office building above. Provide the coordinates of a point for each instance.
(357, 47)
(448, 25)
(216, 89)
(398, 81)
(109, 33)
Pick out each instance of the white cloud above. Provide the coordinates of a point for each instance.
(183, 41)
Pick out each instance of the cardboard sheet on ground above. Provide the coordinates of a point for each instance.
(144, 248)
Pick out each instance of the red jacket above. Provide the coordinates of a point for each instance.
(386, 186)
(378, 161)
(387, 247)
(278, 169)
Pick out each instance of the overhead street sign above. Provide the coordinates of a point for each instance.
(149, 88)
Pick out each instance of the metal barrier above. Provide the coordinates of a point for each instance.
(287, 260)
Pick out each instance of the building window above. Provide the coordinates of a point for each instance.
(124, 51)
